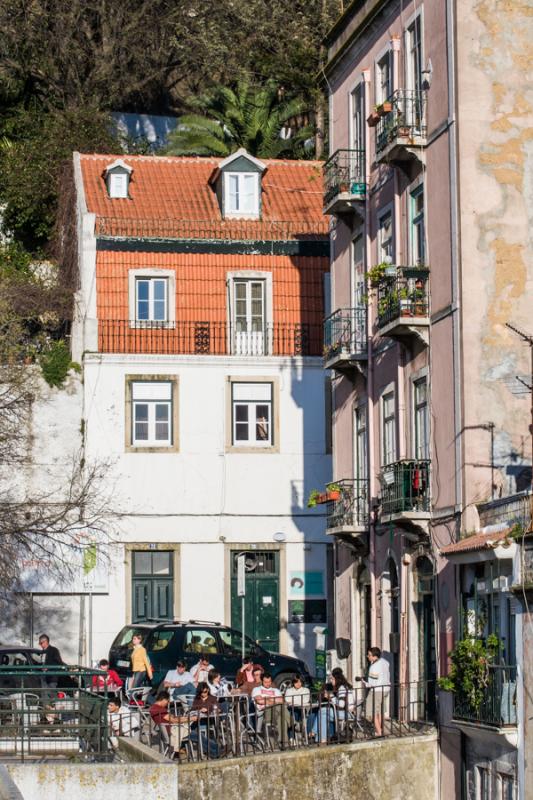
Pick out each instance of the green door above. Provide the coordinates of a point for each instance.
(152, 585)
(262, 597)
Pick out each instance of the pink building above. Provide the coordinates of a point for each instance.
(427, 187)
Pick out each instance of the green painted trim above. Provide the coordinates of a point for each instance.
(293, 247)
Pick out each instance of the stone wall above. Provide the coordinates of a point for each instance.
(398, 769)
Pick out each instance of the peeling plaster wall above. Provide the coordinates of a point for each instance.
(495, 124)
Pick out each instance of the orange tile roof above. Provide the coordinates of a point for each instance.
(171, 196)
(478, 541)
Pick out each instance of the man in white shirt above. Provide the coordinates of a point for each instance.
(123, 721)
(378, 683)
(270, 707)
(179, 681)
(200, 671)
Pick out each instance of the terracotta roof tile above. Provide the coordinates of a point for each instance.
(478, 541)
(171, 196)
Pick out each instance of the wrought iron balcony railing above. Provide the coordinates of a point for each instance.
(344, 173)
(345, 331)
(350, 511)
(405, 295)
(498, 705)
(406, 121)
(209, 338)
(405, 487)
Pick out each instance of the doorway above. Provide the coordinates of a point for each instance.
(262, 597)
(152, 585)
(425, 614)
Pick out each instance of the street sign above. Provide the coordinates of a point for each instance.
(241, 582)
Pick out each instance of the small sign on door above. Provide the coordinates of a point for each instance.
(267, 600)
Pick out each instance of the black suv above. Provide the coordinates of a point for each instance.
(169, 642)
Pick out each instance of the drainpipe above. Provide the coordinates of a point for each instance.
(372, 483)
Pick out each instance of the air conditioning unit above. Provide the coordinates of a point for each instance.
(502, 583)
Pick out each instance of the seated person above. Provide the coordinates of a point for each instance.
(248, 686)
(194, 645)
(271, 708)
(200, 671)
(179, 680)
(122, 720)
(245, 674)
(159, 711)
(218, 687)
(110, 680)
(204, 702)
(209, 645)
(297, 697)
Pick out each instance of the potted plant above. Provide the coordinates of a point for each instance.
(384, 108)
(468, 677)
(372, 119)
(313, 499)
(376, 274)
(333, 491)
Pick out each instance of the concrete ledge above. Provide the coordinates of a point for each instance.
(137, 752)
(8, 790)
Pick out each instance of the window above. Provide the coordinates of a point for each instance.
(249, 317)
(151, 299)
(242, 195)
(389, 428)
(385, 238)
(384, 78)
(421, 419)
(483, 782)
(414, 54)
(418, 233)
(358, 118)
(252, 414)
(232, 643)
(361, 457)
(506, 785)
(118, 185)
(201, 640)
(153, 590)
(152, 413)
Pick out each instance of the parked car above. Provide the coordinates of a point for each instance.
(169, 642)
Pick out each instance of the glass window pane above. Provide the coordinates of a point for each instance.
(161, 563)
(241, 432)
(143, 288)
(143, 310)
(241, 413)
(141, 432)
(262, 425)
(161, 412)
(160, 310)
(161, 432)
(142, 563)
(141, 412)
(160, 289)
(233, 182)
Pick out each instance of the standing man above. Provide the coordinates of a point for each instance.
(51, 657)
(378, 681)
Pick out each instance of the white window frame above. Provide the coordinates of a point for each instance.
(118, 185)
(410, 82)
(483, 769)
(252, 406)
(152, 274)
(389, 423)
(384, 212)
(385, 55)
(240, 177)
(357, 117)
(250, 275)
(154, 394)
(417, 450)
(415, 221)
(361, 441)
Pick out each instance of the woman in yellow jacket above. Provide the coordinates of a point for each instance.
(140, 663)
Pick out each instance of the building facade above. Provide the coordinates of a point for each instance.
(198, 326)
(428, 193)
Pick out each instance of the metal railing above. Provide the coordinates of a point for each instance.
(209, 338)
(405, 487)
(404, 295)
(351, 509)
(407, 118)
(47, 712)
(498, 705)
(344, 173)
(239, 726)
(345, 330)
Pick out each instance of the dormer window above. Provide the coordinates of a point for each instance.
(242, 195)
(117, 177)
(237, 183)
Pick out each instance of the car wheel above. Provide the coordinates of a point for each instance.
(284, 680)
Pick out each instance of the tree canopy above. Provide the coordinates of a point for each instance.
(254, 117)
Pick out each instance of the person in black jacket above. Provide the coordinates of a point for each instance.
(51, 658)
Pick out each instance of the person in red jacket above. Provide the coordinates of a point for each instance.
(110, 680)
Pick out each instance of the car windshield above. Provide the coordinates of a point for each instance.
(232, 641)
(126, 634)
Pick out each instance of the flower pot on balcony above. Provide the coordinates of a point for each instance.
(372, 119)
(333, 495)
(384, 108)
(404, 131)
(344, 187)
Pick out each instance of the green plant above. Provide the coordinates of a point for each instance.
(469, 673)
(313, 498)
(333, 487)
(55, 363)
(376, 274)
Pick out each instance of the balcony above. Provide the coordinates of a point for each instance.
(497, 710)
(403, 304)
(345, 339)
(209, 338)
(348, 516)
(401, 132)
(405, 494)
(345, 182)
